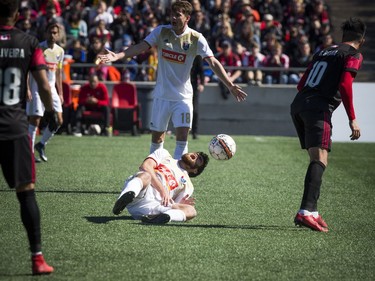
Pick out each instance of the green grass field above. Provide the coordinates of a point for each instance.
(244, 229)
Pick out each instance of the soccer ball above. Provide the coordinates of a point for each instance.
(222, 147)
(94, 130)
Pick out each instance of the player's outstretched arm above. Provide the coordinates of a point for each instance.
(130, 52)
(220, 72)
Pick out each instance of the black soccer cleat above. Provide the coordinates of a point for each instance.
(156, 219)
(40, 148)
(122, 202)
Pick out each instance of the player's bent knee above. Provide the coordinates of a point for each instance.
(145, 177)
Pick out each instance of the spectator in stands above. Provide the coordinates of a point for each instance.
(100, 31)
(78, 53)
(246, 16)
(269, 25)
(254, 59)
(295, 14)
(302, 59)
(293, 36)
(228, 58)
(93, 96)
(247, 35)
(44, 20)
(277, 59)
(225, 34)
(271, 7)
(122, 24)
(96, 47)
(26, 26)
(99, 12)
(268, 43)
(327, 41)
(76, 28)
(200, 23)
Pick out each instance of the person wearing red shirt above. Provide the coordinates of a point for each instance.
(93, 96)
(228, 58)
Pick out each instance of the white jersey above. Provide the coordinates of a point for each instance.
(175, 180)
(54, 60)
(176, 54)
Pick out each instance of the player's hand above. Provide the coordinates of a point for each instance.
(107, 57)
(188, 200)
(356, 131)
(166, 200)
(52, 120)
(238, 93)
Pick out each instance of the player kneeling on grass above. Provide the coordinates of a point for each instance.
(161, 191)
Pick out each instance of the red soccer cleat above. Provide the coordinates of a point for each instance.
(321, 222)
(310, 222)
(39, 265)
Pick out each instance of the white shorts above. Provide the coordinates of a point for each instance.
(35, 107)
(148, 202)
(180, 112)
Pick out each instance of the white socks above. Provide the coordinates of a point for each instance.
(308, 213)
(47, 135)
(181, 148)
(134, 185)
(32, 133)
(155, 146)
(176, 215)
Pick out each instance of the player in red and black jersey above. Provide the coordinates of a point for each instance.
(19, 54)
(326, 83)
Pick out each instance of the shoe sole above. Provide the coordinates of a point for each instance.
(122, 202)
(158, 219)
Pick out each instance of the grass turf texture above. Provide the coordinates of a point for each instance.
(244, 229)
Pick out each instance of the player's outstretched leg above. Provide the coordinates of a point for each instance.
(123, 201)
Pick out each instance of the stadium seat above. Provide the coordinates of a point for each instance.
(125, 108)
(67, 108)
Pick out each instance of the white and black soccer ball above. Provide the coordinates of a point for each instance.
(222, 147)
(94, 130)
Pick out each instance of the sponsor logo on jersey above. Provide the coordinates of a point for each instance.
(168, 176)
(51, 66)
(5, 37)
(173, 56)
(186, 45)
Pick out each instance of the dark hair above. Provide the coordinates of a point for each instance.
(201, 168)
(52, 24)
(185, 7)
(353, 29)
(8, 8)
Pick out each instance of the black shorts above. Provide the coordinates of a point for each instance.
(17, 161)
(314, 129)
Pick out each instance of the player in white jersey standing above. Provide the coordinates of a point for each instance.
(160, 174)
(177, 46)
(54, 56)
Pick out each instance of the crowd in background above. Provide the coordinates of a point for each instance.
(242, 33)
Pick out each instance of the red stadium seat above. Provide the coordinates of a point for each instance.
(125, 108)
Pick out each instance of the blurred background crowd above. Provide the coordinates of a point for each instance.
(244, 34)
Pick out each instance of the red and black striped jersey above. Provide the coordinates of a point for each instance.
(19, 54)
(319, 87)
